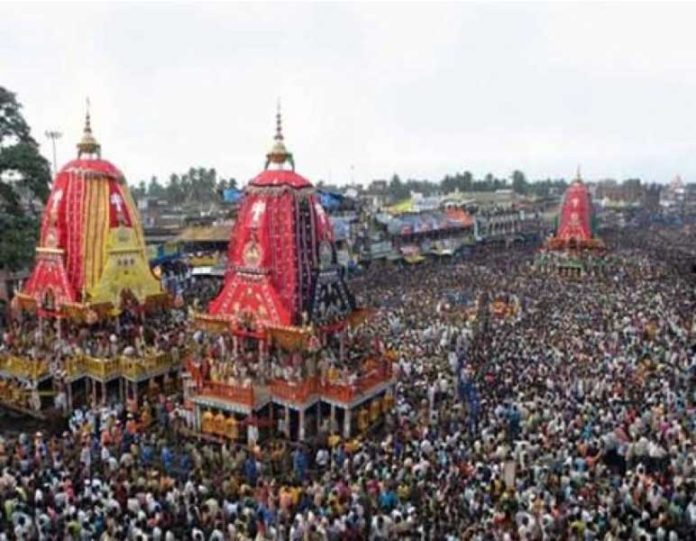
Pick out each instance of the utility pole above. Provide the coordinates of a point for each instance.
(53, 135)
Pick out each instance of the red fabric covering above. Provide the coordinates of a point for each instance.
(280, 177)
(249, 295)
(575, 219)
(119, 213)
(70, 210)
(278, 234)
(103, 167)
(49, 278)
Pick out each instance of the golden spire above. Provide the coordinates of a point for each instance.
(88, 144)
(279, 123)
(279, 153)
(578, 178)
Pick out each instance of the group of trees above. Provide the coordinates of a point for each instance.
(465, 182)
(398, 189)
(202, 185)
(25, 178)
(198, 184)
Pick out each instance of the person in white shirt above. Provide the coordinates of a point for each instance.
(322, 458)
(691, 512)
(380, 528)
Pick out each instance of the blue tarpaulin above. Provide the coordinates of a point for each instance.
(330, 200)
(163, 252)
(232, 195)
(341, 227)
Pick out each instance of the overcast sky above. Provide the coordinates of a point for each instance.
(420, 90)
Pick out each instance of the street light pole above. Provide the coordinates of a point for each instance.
(53, 135)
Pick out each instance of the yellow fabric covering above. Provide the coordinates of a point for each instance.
(126, 269)
(96, 204)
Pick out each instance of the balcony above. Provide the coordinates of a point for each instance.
(298, 392)
(132, 368)
(101, 369)
(142, 368)
(20, 367)
(75, 367)
(348, 392)
(231, 393)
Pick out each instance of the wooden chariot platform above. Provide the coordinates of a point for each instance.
(298, 408)
(123, 377)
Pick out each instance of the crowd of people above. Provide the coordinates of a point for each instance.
(56, 344)
(571, 417)
(238, 361)
(126, 335)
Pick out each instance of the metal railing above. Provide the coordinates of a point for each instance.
(101, 368)
(347, 392)
(299, 392)
(233, 393)
(145, 366)
(24, 368)
(134, 368)
(294, 392)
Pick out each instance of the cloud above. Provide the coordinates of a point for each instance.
(418, 89)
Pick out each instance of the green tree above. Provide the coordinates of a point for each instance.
(155, 189)
(467, 181)
(205, 189)
(519, 182)
(632, 189)
(222, 185)
(397, 189)
(486, 185)
(139, 191)
(186, 187)
(25, 178)
(462, 182)
(175, 191)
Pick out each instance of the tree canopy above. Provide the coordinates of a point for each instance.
(465, 182)
(202, 185)
(198, 184)
(25, 178)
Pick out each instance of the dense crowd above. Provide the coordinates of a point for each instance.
(224, 359)
(130, 334)
(570, 417)
(56, 344)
